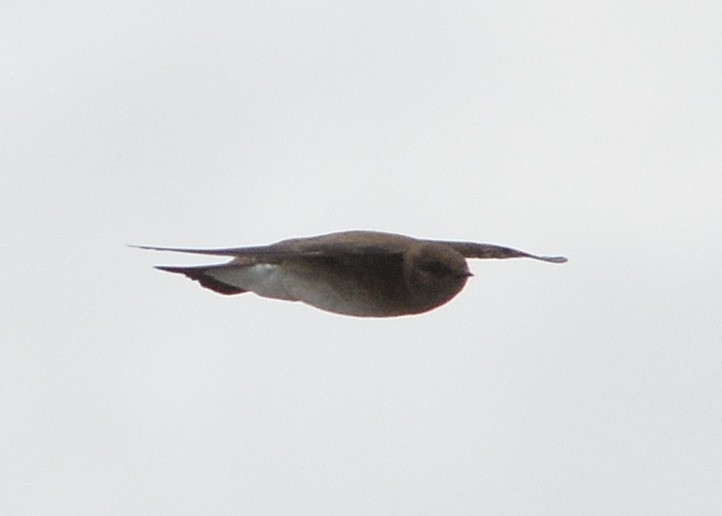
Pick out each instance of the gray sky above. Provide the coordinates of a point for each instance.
(590, 129)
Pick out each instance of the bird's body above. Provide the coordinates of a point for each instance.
(359, 273)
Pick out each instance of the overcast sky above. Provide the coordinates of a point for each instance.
(588, 129)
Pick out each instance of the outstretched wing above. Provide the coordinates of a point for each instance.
(319, 247)
(236, 251)
(474, 250)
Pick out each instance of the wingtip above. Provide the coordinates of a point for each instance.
(554, 259)
(171, 249)
(149, 247)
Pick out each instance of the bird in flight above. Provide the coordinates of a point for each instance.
(357, 273)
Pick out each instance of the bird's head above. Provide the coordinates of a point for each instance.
(435, 273)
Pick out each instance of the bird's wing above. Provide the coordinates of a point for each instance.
(475, 250)
(282, 250)
(235, 251)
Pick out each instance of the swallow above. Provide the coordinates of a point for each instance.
(355, 273)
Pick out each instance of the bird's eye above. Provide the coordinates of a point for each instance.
(436, 268)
